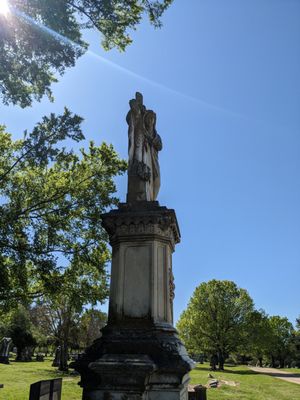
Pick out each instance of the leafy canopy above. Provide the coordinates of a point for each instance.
(281, 337)
(215, 318)
(52, 199)
(31, 56)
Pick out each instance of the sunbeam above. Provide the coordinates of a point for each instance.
(4, 7)
(127, 71)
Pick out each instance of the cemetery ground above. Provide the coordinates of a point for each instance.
(18, 376)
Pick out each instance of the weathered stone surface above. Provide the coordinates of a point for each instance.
(139, 355)
(139, 352)
(143, 238)
(144, 143)
(136, 359)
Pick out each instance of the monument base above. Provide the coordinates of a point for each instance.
(135, 364)
(139, 355)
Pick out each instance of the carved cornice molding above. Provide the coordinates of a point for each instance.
(141, 221)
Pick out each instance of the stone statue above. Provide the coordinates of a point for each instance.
(144, 143)
(139, 355)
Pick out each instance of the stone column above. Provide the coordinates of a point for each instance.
(143, 238)
(139, 356)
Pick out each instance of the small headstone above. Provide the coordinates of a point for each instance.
(4, 350)
(46, 390)
(213, 383)
(197, 392)
(26, 354)
(39, 357)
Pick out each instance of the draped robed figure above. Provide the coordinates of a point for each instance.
(144, 143)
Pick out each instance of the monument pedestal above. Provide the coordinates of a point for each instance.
(139, 356)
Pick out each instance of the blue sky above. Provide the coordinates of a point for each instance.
(223, 78)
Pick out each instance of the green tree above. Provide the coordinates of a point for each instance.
(80, 284)
(21, 334)
(91, 322)
(295, 348)
(52, 201)
(280, 340)
(31, 57)
(256, 336)
(215, 319)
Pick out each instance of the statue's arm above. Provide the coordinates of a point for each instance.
(157, 143)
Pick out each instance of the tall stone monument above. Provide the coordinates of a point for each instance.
(139, 356)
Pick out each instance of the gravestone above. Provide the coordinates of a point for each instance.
(4, 350)
(46, 390)
(56, 361)
(197, 392)
(39, 357)
(139, 356)
(26, 354)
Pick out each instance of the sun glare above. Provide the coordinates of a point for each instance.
(4, 7)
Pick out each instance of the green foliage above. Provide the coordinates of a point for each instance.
(64, 323)
(32, 57)
(91, 322)
(51, 237)
(280, 339)
(256, 336)
(216, 318)
(20, 332)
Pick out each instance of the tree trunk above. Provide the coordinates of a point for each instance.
(19, 354)
(63, 362)
(281, 362)
(221, 360)
(273, 361)
(244, 362)
(213, 362)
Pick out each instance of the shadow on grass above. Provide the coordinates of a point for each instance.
(280, 375)
(60, 374)
(49, 371)
(227, 371)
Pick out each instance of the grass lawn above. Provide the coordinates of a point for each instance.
(291, 370)
(17, 378)
(252, 386)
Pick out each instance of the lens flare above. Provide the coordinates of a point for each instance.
(4, 7)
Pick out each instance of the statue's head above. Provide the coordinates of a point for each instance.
(133, 104)
(150, 120)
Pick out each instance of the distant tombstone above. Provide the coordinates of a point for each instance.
(56, 360)
(46, 390)
(4, 350)
(26, 354)
(39, 357)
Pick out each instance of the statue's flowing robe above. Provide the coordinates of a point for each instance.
(155, 170)
(143, 148)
